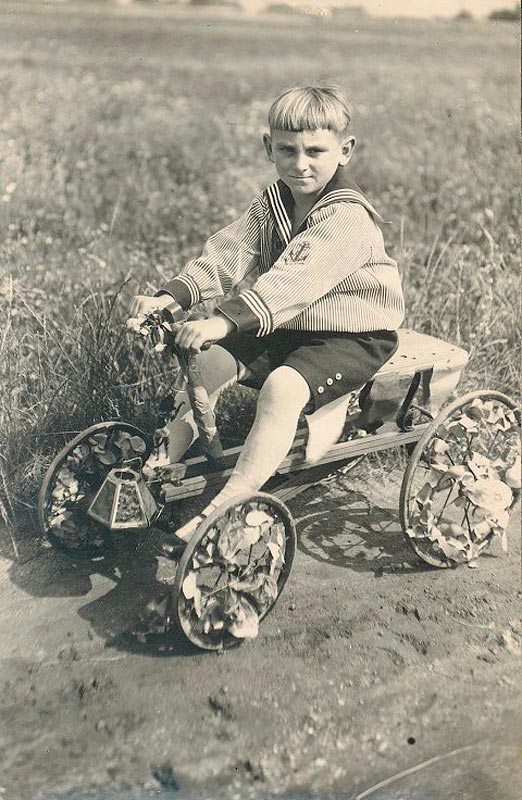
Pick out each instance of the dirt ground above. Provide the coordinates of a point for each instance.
(375, 676)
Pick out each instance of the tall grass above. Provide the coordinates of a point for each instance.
(127, 138)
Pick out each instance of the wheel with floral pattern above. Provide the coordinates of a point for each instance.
(463, 479)
(74, 477)
(233, 571)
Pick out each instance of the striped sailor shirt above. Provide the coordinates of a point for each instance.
(333, 274)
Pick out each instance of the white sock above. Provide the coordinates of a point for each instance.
(284, 395)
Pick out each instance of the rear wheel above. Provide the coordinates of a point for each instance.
(463, 480)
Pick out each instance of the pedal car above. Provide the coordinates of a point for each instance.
(458, 490)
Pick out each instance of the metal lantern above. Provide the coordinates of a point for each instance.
(123, 501)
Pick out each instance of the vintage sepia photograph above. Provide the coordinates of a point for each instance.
(260, 419)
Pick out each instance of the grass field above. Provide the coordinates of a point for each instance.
(128, 134)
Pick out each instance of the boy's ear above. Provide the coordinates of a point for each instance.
(347, 149)
(267, 141)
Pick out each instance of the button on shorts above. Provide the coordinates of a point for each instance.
(332, 364)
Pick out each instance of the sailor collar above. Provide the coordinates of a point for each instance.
(340, 189)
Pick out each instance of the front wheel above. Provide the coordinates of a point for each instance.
(233, 571)
(463, 480)
(75, 476)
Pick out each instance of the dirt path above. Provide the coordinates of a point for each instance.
(370, 666)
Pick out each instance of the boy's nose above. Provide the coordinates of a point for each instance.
(301, 162)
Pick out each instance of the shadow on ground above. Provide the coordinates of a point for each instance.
(137, 575)
(364, 538)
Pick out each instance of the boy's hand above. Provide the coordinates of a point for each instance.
(193, 335)
(142, 305)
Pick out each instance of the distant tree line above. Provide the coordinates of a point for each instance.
(227, 3)
(506, 14)
(503, 14)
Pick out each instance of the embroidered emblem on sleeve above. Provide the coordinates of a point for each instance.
(298, 253)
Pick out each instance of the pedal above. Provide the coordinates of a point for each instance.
(173, 473)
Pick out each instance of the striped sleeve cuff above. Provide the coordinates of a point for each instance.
(260, 309)
(184, 290)
(248, 312)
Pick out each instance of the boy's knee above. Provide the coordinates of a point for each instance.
(287, 388)
(218, 368)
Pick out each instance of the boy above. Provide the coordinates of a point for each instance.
(321, 316)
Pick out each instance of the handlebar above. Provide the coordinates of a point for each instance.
(161, 326)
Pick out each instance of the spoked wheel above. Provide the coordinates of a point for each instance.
(74, 478)
(463, 480)
(233, 571)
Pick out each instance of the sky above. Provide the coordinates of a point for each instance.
(399, 8)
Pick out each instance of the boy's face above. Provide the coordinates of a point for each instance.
(307, 160)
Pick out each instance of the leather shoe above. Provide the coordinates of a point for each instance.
(173, 547)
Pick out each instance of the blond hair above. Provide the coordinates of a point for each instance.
(310, 108)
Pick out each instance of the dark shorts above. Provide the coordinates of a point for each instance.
(332, 364)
